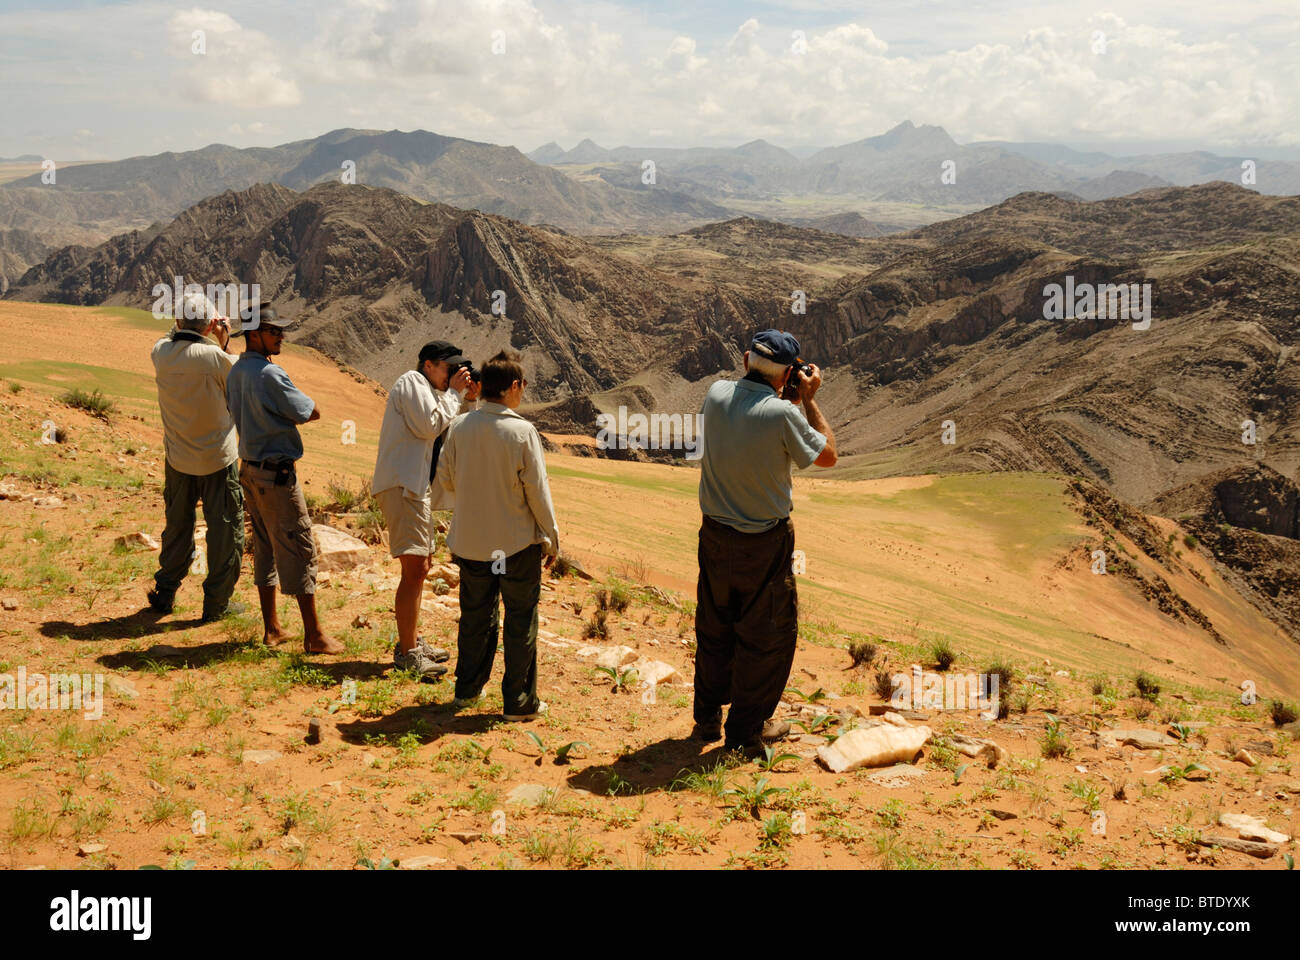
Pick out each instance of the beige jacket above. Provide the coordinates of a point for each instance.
(198, 434)
(415, 417)
(493, 465)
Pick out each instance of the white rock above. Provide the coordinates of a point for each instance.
(529, 794)
(873, 747)
(1251, 828)
(619, 656)
(121, 686)
(259, 756)
(448, 572)
(421, 863)
(139, 541)
(653, 672)
(899, 775)
(895, 719)
(336, 550)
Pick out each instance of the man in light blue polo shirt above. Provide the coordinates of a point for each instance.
(747, 614)
(267, 409)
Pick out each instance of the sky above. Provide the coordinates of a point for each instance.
(85, 80)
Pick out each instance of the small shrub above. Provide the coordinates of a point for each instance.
(1055, 742)
(884, 683)
(562, 566)
(943, 653)
(94, 403)
(596, 628)
(1282, 712)
(1005, 673)
(862, 652)
(1148, 687)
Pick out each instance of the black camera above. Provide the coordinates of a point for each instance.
(799, 366)
(474, 375)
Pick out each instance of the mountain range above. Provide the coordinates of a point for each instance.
(940, 354)
(881, 184)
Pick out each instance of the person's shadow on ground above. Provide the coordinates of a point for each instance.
(428, 723)
(665, 765)
(131, 627)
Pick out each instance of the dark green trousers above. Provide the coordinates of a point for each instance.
(223, 510)
(519, 587)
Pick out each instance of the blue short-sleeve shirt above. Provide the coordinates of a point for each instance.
(751, 439)
(266, 408)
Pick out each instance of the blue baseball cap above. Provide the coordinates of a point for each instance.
(777, 346)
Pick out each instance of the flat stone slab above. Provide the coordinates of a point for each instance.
(1137, 737)
(260, 757)
(899, 775)
(529, 794)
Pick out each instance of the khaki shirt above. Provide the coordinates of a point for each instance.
(416, 415)
(198, 434)
(492, 463)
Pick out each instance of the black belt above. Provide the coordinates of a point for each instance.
(276, 465)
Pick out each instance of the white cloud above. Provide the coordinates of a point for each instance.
(1003, 69)
(228, 63)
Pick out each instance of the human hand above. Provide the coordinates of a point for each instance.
(809, 385)
(461, 381)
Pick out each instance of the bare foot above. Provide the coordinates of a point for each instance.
(321, 644)
(274, 638)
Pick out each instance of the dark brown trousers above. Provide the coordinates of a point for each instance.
(746, 624)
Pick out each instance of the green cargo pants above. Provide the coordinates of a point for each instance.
(223, 510)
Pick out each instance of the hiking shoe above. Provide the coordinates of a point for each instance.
(774, 730)
(233, 609)
(516, 717)
(159, 603)
(419, 663)
(438, 654)
(460, 703)
(708, 730)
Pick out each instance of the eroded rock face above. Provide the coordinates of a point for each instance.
(1249, 519)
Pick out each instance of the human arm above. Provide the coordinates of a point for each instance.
(286, 399)
(537, 492)
(425, 411)
(808, 387)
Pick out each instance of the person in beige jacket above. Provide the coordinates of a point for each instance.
(493, 465)
(420, 407)
(199, 458)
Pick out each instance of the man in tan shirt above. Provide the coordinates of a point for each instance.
(492, 463)
(200, 451)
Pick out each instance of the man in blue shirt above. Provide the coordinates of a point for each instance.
(267, 409)
(747, 610)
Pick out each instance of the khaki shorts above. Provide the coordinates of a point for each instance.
(284, 550)
(408, 519)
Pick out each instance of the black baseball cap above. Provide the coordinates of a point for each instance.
(777, 346)
(441, 350)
